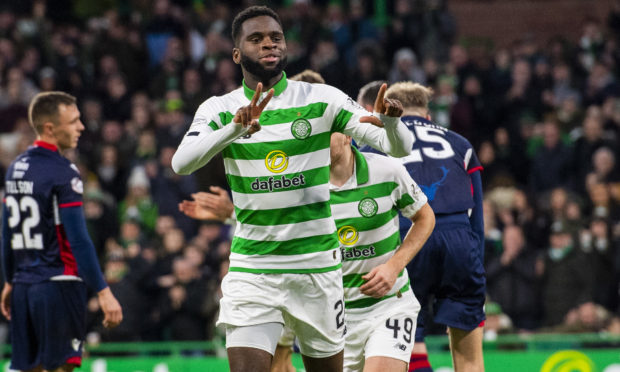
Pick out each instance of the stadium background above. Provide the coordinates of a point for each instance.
(532, 84)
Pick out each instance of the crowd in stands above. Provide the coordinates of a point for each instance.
(544, 116)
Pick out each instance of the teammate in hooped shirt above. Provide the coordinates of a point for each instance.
(48, 258)
(450, 265)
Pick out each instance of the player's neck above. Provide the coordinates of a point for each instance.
(416, 112)
(51, 141)
(341, 168)
(252, 81)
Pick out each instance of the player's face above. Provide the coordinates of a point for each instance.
(69, 127)
(262, 49)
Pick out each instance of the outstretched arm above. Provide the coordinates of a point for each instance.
(202, 142)
(381, 279)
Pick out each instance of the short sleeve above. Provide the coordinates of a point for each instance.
(408, 197)
(348, 111)
(69, 188)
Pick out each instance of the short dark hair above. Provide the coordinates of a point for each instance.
(44, 108)
(249, 13)
(368, 93)
(309, 76)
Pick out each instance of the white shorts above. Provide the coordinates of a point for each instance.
(311, 305)
(388, 331)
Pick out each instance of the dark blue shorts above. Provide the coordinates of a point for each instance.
(450, 267)
(48, 324)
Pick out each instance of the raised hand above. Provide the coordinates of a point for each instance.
(386, 106)
(248, 116)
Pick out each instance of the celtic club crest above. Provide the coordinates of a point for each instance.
(367, 207)
(301, 129)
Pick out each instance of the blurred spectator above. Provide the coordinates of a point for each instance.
(116, 101)
(138, 204)
(588, 317)
(406, 68)
(597, 241)
(592, 139)
(161, 27)
(169, 189)
(604, 167)
(567, 276)
(186, 307)
(550, 166)
(513, 281)
(112, 175)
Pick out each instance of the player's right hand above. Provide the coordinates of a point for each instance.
(112, 311)
(5, 301)
(248, 116)
(214, 205)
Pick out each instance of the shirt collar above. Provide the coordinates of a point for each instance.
(415, 117)
(361, 166)
(278, 88)
(45, 145)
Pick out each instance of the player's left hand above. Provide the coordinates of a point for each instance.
(379, 281)
(5, 304)
(112, 311)
(386, 106)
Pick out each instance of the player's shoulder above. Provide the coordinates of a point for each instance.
(223, 102)
(382, 165)
(323, 91)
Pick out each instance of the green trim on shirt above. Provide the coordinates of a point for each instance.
(278, 88)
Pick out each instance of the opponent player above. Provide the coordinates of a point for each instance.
(47, 255)
(450, 265)
(285, 237)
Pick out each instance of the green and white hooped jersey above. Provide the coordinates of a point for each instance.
(279, 176)
(366, 213)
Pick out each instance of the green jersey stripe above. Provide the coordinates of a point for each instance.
(311, 111)
(296, 214)
(341, 120)
(319, 243)
(365, 223)
(291, 147)
(213, 125)
(381, 247)
(374, 191)
(369, 301)
(355, 280)
(285, 271)
(279, 183)
(404, 201)
(226, 117)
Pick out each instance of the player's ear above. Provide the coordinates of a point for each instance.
(47, 128)
(236, 55)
